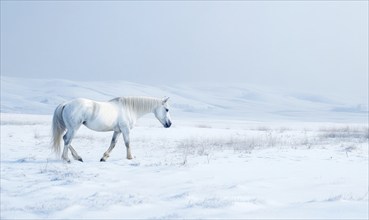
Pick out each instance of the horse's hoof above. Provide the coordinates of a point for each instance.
(80, 159)
(66, 160)
(102, 160)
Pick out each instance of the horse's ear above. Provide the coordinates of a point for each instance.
(165, 99)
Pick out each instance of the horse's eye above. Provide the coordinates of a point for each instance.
(167, 110)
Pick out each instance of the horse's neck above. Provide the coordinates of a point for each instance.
(137, 107)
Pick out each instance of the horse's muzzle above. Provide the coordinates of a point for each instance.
(167, 124)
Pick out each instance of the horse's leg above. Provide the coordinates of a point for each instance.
(74, 154)
(112, 145)
(126, 142)
(67, 141)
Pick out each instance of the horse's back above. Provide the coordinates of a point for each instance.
(78, 106)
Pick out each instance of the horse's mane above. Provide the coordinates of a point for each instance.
(138, 104)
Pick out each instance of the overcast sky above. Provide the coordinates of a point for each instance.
(297, 44)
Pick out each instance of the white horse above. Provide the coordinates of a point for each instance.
(118, 115)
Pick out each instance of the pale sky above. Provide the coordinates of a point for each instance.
(297, 44)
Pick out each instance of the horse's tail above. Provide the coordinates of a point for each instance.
(58, 128)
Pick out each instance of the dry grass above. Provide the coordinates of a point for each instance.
(345, 132)
(281, 138)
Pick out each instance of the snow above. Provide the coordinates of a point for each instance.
(207, 165)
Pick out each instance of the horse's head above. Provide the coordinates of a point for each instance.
(162, 113)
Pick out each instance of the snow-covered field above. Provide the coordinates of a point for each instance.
(196, 169)
(201, 167)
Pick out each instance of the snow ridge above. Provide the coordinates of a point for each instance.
(242, 101)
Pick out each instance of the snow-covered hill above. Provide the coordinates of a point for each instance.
(242, 101)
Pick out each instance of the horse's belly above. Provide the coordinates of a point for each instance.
(99, 124)
(104, 119)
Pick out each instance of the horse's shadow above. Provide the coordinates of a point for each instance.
(30, 160)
